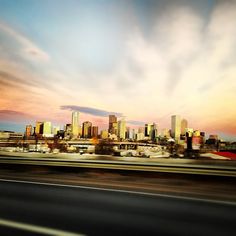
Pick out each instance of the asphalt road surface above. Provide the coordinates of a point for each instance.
(44, 209)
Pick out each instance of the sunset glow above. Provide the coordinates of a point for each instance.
(146, 60)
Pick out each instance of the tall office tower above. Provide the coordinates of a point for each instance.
(153, 132)
(127, 131)
(184, 126)
(134, 133)
(94, 131)
(28, 130)
(114, 129)
(148, 128)
(39, 127)
(121, 128)
(47, 128)
(75, 124)
(68, 131)
(112, 120)
(80, 131)
(87, 129)
(175, 127)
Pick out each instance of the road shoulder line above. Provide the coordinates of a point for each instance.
(35, 228)
(122, 191)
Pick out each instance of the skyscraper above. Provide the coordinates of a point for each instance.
(153, 133)
(127, 132)
(184, 126)
(148, 128)
(114, 129)
(87, 129)
(68, 130)
(75, 124)
(94, 131)
(175, 127)
(28, 131)
(112, 124)
(39, 127)
(121, 128)
(47, 128)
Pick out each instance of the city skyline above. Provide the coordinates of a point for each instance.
(116, 129)
(147, 60)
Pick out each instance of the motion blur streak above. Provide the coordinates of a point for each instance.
(35, 229)
(95, 212)
(122, 191)
(216, 170)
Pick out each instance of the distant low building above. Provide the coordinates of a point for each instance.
(104, 134)
(55, 130)
(4, 134)
(213, 140)
(140, 136)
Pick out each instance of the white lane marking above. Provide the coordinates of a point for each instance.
(35, 228)
(123, 191)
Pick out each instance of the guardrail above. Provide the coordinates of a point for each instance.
(227, 171)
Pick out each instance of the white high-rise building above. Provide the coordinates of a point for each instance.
(75, 124)
(133, 134)
(175, 127)
(121, 128)
(47, 129)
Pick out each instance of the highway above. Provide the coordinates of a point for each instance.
(28, 208)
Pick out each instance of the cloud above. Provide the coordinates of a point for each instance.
(136, 122)
(11, 112)
(12, 115)
(17, 81)
(10, 79)
(183, 62)
(90, 110)
(29, 50)
(21, 72)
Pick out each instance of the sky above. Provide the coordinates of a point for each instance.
(145, 60)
